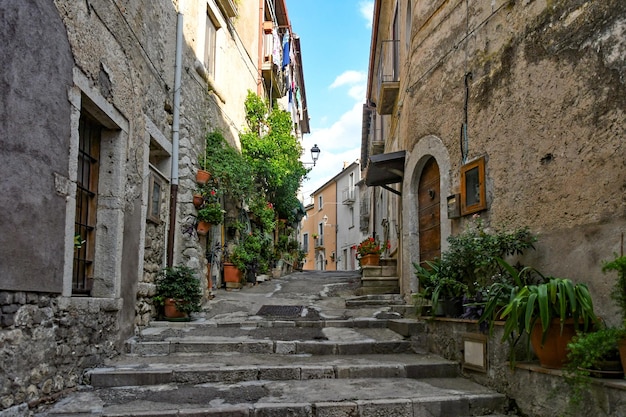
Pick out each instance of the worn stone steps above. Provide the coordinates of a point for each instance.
(232, 368)
(306, 365)
(398, 397)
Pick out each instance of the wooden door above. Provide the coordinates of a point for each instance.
(429, 217)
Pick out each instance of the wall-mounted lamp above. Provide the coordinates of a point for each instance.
(315, 154)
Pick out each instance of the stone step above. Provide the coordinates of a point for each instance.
(232, 368)
(374, 300)
(378, 290)
(378, 271)
(359, 397)
(379, 281)
(283, 347)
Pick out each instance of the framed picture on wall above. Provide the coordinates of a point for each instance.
(473, 193)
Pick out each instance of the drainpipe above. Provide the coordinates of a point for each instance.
(175, 129)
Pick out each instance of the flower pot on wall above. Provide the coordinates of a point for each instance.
(202, 176)
(203, 228)
(371, 259)
(553, 353)
(198, 200)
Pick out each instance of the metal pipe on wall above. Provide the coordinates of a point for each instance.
(175, 137)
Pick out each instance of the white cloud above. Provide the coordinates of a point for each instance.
(339, 143)
(367, 11)
(349, 77)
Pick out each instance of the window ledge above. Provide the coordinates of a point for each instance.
(91, 303)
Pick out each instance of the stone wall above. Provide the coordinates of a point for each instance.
(46, 341)
(546, 104)
(535, 391)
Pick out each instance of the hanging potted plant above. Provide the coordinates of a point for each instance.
(178, 292)
(208, 215)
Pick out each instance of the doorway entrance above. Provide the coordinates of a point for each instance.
(429, 217)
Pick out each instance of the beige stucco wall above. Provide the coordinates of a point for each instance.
(546, 107)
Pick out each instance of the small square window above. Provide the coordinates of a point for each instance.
(155, 196)
(473, 194)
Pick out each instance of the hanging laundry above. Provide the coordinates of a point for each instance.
(276, 47)
(286, 49)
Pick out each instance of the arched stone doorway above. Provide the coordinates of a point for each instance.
(429, 215)
(420, 213)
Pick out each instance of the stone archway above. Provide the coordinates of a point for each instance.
(426, 148)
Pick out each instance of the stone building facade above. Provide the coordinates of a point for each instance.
(534, 92)
(89, 105)
(513, 111)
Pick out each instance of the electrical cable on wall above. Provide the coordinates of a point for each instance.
(464, 136)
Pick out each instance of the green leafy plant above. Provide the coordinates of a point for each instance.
(472, 256)
(435, 284)
(589, 352)
(211, 213)
(181, 284)
(499, 294)
(557, 298)
(619, 291)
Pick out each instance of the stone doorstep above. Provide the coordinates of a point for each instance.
(268, 347)
(378, 281)
(378, 271)
(139, 375)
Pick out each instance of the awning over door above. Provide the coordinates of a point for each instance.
(385, 168)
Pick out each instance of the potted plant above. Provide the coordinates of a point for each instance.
(498, 295)
(593, 354)
(619, 296)
(549, 313)
(369, 250)
(178, 291)
(209, 214)
(436, 286)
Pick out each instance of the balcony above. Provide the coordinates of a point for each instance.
(319, 242)
(271, 67)
(229, 7)
(347, 196)
(388, 76)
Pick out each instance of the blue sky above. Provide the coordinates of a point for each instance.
(335, 40)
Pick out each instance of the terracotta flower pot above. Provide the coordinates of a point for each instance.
(170, 311)
(198, 200)
(553, 352)
(203, 228)
(202, 176)
(371, 259)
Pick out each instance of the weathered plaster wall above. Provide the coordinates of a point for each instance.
(34, 142)
(546, 106)
(124, 54)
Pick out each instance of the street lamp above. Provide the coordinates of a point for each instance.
(315, 154)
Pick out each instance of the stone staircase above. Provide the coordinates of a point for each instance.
(279, 367)
(381, 279)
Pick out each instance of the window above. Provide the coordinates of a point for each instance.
(155, 195)
(89, 132)
(473, 194)
(305, 242)
(210, 44)
(351, 217)
(320, 202)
